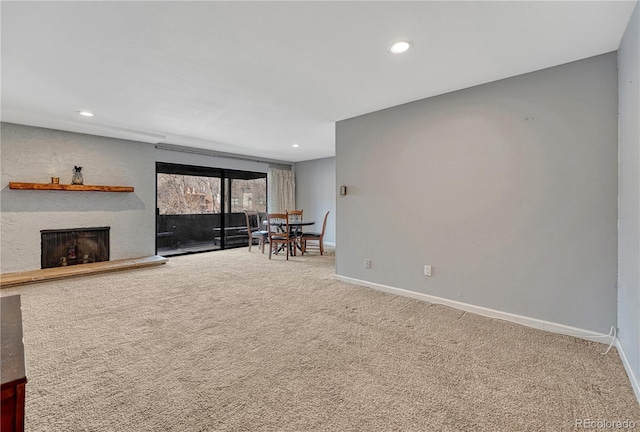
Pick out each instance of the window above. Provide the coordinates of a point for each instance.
(184, 194)
(249, 194)
(191, 202)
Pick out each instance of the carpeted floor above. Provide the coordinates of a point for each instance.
(230, 341)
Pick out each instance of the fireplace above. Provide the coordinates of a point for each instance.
(74, 246)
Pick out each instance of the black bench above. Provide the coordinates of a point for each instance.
(233, 234)
(170, 237)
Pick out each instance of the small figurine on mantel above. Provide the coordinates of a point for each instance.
(77, 176)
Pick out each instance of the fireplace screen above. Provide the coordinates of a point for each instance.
(74, 246)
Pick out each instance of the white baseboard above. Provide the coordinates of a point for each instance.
(627, 366)
(491, 313)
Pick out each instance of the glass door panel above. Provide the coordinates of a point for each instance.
(191, 201)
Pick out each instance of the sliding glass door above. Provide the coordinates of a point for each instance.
(201, 209)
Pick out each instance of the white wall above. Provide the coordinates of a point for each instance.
(35, 155)
(629, 199)
(509, 190)
(316, 194)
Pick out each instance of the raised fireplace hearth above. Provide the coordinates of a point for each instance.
(74, 246)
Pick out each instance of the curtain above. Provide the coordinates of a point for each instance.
(282, 189)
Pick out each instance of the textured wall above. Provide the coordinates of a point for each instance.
(509, 190)
(35, 155)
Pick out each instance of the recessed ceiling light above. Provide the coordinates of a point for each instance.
(295, 145)
(399, 47)
(85, 113)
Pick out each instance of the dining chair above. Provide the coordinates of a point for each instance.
(280, 234)
(295, 216)
(315, 236)
(253, 229)
(262, 219)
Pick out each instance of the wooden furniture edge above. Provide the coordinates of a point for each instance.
(21, 278)
(14, 378)
(69, 187)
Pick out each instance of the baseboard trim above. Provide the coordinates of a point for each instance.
(635, 383)
(491, 313)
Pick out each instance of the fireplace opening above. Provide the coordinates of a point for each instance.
(74, 246)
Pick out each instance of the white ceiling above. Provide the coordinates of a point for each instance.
(253, 78)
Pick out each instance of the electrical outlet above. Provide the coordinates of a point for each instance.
(427, 270)
(367, 263)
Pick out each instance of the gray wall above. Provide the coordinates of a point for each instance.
(509, 190)
(35, 155)
(629, 199)
(204, 160)
(316, 193)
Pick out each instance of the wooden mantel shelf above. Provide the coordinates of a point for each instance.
(69, 187)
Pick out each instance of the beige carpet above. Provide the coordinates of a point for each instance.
(230, 341)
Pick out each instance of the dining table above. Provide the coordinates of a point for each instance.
(298, 223)
(294, 225)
